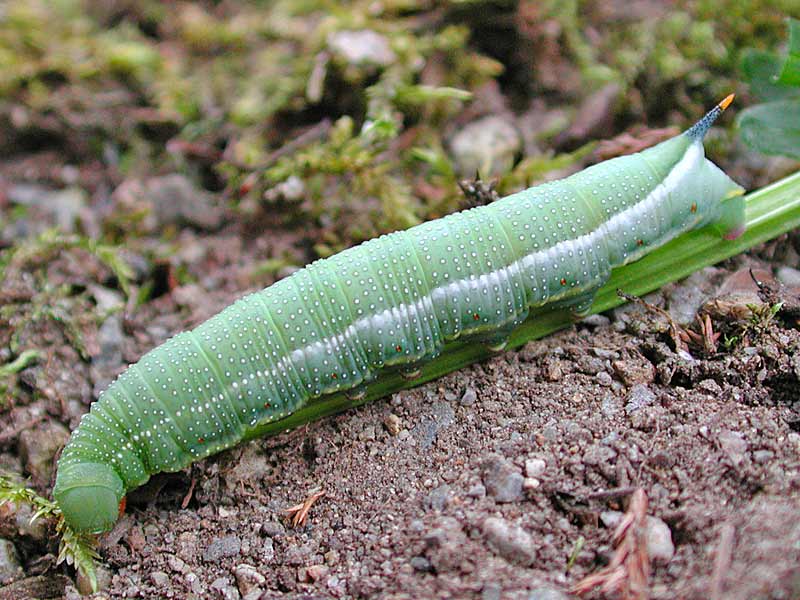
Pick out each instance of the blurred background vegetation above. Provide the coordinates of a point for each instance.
(337, 121)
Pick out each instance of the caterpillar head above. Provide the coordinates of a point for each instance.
(89, 495)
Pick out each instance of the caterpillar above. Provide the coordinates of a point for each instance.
(390, 303)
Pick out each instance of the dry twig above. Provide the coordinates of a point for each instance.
(299, 512)
(629, 570)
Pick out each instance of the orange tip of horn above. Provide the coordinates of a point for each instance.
(727, 101)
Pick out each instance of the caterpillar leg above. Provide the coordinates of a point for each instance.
(731, 223)
(411, 373)
(357, 393)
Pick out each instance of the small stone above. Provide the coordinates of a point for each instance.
(331, 557)
(10, 567)
(440, 416)
(511, 542)
(639, 397)
(788, 276)
(393, 424)
(248, 578)
(763, 456)
(734, 445)
(658, 535)
(604, 379)
(477, 491)
(534, 467)
(363, 47)
(159, 578)
(469, 397)
(225, 589)
(317, 572)
(222, 547)
(502, 479)
(487, 146)
(176, 564)
(633, 371)
(38, 446)
(273, 529)
(420, 563)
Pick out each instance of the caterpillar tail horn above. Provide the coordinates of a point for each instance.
(699, 129)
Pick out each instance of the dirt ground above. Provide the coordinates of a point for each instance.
(181, 157)
(497, 481)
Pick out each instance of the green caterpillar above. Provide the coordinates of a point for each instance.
(393, 302)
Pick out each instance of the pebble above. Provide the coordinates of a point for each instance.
(225, 589)
(639, 397)
(440, 417)
(487, 146)
(546, 593)
(511, 542)
(534, 467)
(445, 544)
(658, 535)
(635, 370)
(734, 445)
(363, 47)
(222, 547)
(469, 397)
(604, 379)
(38, 446)
(393, 424)
(477, 491)
(10, 567)
(248, 579)
(317, 572)
(159, 578)
(63, 207)
(103, 575)
(788, 276)
(502, 479)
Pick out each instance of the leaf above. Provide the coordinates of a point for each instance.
(760, 69)
(790, 74)
(773, 127)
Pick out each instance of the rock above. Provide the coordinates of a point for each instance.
(317, 572)
(109, 358)
(168, 200)
(291, 190)
(268, 550)
(487, 146)
(635, 369)
(225, 589)
(445, 544)
(733, 444)
(248, 579)
(393, 424)
(159, 578)
(639, 397)
(788, 276)
(658, 535)
(420, 563)
(38, 446)
(477, 491)
(222, 547)
(534, 467)
(10, 567)
(502, 479)
(511, 542)
(362, 47)
(469, 397)
(62, 207)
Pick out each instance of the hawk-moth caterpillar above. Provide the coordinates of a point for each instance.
(392, 302)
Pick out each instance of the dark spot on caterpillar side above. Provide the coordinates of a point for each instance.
(694, 207)
(398, 348)
(563, 281)
(201, 440)
(476, 317)
(267, 405)
(334, 376)
(640, 242)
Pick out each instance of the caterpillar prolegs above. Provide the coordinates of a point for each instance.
(390, 303)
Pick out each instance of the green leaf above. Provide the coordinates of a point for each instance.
(790, 74)
(760, 69)
(773, 127)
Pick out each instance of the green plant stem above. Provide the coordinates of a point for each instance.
(771, 211)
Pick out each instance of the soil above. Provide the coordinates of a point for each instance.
(503, 480)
